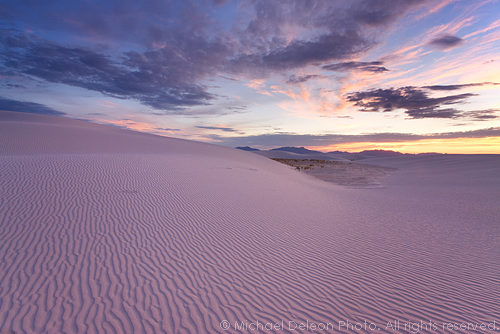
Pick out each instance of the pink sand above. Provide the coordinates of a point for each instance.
(108, 230)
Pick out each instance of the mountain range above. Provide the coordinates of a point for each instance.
(289, 152)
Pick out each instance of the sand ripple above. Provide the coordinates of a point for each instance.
(176, 243)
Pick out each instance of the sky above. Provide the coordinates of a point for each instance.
(407, 75)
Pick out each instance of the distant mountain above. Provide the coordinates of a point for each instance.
(380, 153)
(296, 150)
(343, 155)
(247, 148)
(290, 152)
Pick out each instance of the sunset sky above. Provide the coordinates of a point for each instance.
(412, 76)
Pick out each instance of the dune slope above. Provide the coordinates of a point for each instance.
(104, 230)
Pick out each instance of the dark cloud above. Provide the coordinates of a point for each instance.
(160, 52)
(237, 108)
(380, 12)
(446, 42)
(10, 85)
(294, 79)
(301, 53)
(219, 2)
(168, 129)
(337, 31)
(482, 115)
(27, 107)
(456, 87)
(221, 128)
(221, 109)
(105, 23)
(162, 79)
(415, 102)
(289, 139)
(373, 66)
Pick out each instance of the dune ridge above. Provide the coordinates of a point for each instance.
(104, 230)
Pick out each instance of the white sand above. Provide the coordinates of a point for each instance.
(107, 230)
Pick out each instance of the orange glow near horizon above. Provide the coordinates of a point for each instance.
(487, 145)
(131, 125)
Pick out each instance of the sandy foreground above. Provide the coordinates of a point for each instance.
(104, 230)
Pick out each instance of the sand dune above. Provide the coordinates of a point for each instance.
(104, 230)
